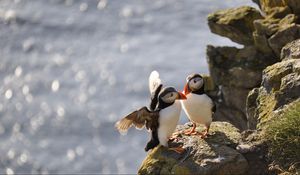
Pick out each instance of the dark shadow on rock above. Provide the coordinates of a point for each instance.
(218, 137)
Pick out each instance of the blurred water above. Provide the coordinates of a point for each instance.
(70, 69)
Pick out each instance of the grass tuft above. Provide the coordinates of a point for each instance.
(283, 137)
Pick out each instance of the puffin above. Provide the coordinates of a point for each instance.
(162, 116)
(199, 107)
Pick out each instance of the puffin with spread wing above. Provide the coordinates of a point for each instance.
(162, 118)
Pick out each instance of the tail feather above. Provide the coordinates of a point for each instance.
(153, 142)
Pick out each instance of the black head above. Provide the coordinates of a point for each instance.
(168, 96)
(195, 84)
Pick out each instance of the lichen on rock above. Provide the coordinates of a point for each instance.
(213, 155)
(291, 50)
(280, 85)
(269, 33)
(273, 108)
(235, 71)
(268, 6)
(235, 23)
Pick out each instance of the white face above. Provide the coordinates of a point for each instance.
(170, 97)
(196, 83)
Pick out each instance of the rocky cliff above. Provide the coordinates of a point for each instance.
(236, 71)
(257, 90)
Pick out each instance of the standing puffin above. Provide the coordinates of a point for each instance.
(162, 118)
(199, 107)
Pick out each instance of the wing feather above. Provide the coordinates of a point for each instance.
(154, 81)
(139, 119)
(155, 86)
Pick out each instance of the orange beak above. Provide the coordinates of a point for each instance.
(181, 96)
(186, 89)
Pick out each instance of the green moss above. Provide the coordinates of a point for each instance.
(234, 23)
(157, 163)
(267, 5)
(276, 72)
(267, 105)
(160, 164)
(283, 137)
(177, 169)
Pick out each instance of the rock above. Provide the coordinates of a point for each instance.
(267, 37)
(278, 28)
(231, 106)
(209, 84)
(268, 6)
(237, 103)
(245, 148)
(254, 150)
(279, 12)
(235, 23)
(284, 36)
(294, 5)
(273, 74)
(231, 115)
(289, 89)
(213, 155)
(291, 50)
(280, 86)
(231, 69)
(234, 67)
(256, 68)
(266, 26)
(261, 43)
(251, 108)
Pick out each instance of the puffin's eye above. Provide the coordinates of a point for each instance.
(171, 95)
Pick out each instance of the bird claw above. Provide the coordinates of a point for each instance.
(190, 132)
(173, 139)
(174, 136)
(196, 133)
(204, 135)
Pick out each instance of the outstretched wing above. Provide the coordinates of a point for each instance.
(139, 118)
(155, 85)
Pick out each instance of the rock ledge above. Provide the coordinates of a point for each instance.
(213, 155)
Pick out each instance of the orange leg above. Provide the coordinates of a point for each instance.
(192, 130)
(204, 135)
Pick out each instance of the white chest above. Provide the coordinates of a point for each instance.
(198, 108)
(170, 114)
(168, 119)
